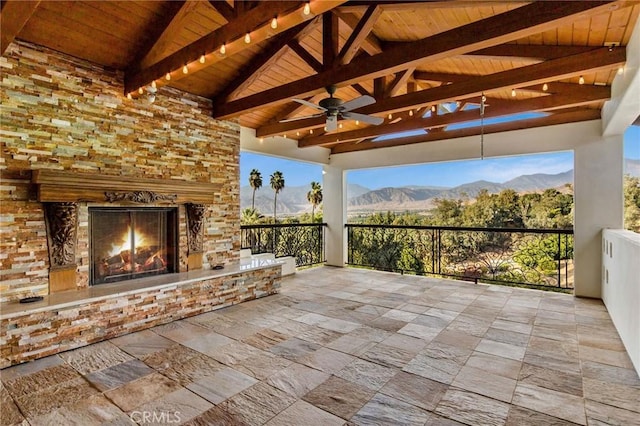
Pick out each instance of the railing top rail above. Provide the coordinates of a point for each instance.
(280, 225)
(462, 228)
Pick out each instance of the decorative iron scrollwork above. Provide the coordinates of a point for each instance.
(195, 221)
(62, 226)
(139, 197)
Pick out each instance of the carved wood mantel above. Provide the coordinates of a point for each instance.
(56, 186)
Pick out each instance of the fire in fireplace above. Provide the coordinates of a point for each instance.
(127, 243)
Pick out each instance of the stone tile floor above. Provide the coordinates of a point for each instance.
(348, 346)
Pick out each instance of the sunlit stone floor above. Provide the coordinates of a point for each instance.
(348, 346)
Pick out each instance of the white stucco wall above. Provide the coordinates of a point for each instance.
(621, 286)
(334, 210)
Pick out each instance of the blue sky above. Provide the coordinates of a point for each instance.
(437, 174)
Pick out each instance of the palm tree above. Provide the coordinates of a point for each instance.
(277, 184)
(255, 180)
(315, 197)
(250, 216)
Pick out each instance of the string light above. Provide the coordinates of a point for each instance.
(340, 126)
(185, 69)
(223, 49)
(261, 140)
(325, 128)
(140, 91)
(297, 133)
(129, 96)
(390, 116)
(581, 80)
(307, 9)
(513, 93)
(202, 59)
(274, 22)
(310, 131)
(545, 87)
(247, 38)
(153, 84)
(620, 71)
(433, 108)
(357, 122)
(410, 113)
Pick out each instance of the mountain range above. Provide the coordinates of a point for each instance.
(293, 200)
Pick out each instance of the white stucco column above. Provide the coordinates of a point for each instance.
(598, 196)
(334, 213)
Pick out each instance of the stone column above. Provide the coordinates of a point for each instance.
(334, 211)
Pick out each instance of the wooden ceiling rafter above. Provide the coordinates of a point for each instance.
(359, 35)
(399, 82)
(499, 29)
(225, 10)
(256, 21)
(497, 108)
(558, 117)
(371, 44)
(529, 75)
(330, 39)
(274, 49)
(13, 17)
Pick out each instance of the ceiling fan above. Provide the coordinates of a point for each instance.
(335, 108)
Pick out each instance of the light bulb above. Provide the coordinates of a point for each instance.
(340, 126)
(310, 131)
(545, 87)
(168, 76)
(390, 116)
(410, 113)
(140, 91)
(185, 70)
(581, 80)
(433, 108)
(129, 96)
(620, 70)
(247, 38)
(513, 92)
(261, 140)
(357, 122)
(307, 9)
(274, 23)
(153, 84)
(202, 59)
(325, 128)
(297, 133)
(223, 49)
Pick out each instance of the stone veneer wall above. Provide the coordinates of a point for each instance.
(62, 113)
(31, 335)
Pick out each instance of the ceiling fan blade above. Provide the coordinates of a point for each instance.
(309, 104)
(362, 117)
(332, 123)
(358, 103)
(287, 120)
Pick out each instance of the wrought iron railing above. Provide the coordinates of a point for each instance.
(532, 257)
(304, 241)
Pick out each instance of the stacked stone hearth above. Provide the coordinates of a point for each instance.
(62, 114)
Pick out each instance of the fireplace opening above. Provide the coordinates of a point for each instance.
(127, 243)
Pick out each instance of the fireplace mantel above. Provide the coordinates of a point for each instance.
(57, 186)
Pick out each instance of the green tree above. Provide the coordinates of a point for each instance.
(251, 216)
(255, 180)
(314, 196)
(277, 184)
(632, 203)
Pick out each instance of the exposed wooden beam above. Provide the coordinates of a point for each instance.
(399, 82)
(560, 117)
(159, 48)
(581, 96)
(538, 73)
(256, 21)
(13, 17)
(554, 69)
(361, 90)
(521, 22)
(529, 51)
(379, 87)
(330, 39)
(371, 44)
(305, 55)
(224, 9)
(359, 34)
(441, 76)
(268, 56)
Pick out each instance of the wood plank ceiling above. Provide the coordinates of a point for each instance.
(426, 63)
